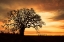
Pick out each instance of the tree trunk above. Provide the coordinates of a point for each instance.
(22, 30)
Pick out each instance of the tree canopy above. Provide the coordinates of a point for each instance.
(23, 17)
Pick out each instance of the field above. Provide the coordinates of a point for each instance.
(26, 38)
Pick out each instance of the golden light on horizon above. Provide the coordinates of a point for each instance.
(51, 26)
(47, 9)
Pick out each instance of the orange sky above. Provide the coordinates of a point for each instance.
(51, 12)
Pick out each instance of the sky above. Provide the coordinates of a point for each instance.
(51, 12)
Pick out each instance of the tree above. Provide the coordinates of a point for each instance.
(23, 18)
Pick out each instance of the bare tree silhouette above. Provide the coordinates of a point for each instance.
(23, 18)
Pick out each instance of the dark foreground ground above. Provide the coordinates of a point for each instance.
(26, 38)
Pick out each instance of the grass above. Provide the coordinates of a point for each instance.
(18, 38)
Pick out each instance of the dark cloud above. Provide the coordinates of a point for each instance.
(59, 16)
(40, 5)
(51, 5)
(3, 12)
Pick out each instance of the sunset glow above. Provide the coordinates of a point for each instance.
(51, 12)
